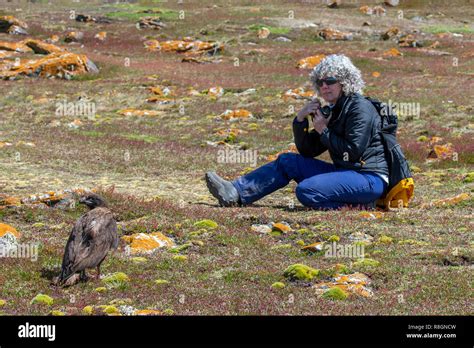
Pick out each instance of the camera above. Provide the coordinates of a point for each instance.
(325, 110)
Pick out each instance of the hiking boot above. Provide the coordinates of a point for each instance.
(223, 190)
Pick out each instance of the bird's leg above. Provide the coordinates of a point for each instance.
(84, 276)
(97, 276)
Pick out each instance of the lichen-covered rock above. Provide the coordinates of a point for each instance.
(237, 114)
(300, 272)
(150, 23)
(41, 47)
(7, 229)
(146, 243)
(333, 34)
(354, 284)
(56, 65)
(283, 227)
(298, 93)
(314, 247)
(74, 36)
(335, 293)
(14, 46)
(137, 112)
(310, 62)
(12, 25)
(42, 299)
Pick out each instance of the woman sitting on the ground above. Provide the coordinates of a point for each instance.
(358, 175)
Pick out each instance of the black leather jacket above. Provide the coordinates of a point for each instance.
(351, 136)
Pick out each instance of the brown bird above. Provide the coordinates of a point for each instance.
(93, 235)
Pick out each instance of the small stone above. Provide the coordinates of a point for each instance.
(263, 229)
(282, 39)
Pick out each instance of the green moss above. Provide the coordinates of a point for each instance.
(273, 30)
(168, 311)
(139, 259)
(42, 299)
(180, 258)
(385, 239)
(110, 309)
(303, 231)
(335, 293)
(341, 268)
(469, 177)
(101, 289)
(422, 138)
(206, 224)
(333, 238)
(3, 303)
(88, 310)
(300, 272)
(55, 313)
(115, 280)
(161, 282)
(278, 285)
(448, 29)
(180, 248)
(366, 264)
(300, 242)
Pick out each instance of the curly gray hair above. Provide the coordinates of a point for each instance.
(340, 67)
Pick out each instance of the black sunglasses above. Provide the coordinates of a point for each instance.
(328, 81)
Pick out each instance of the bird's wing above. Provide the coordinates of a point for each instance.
(70, 252)
(96, 240)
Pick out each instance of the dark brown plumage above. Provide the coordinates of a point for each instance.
(93, 235)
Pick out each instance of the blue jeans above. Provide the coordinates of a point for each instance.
(320, 184)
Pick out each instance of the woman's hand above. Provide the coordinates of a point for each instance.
(320, 122)
(310, 108)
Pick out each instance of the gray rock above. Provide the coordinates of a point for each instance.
(282, 39)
